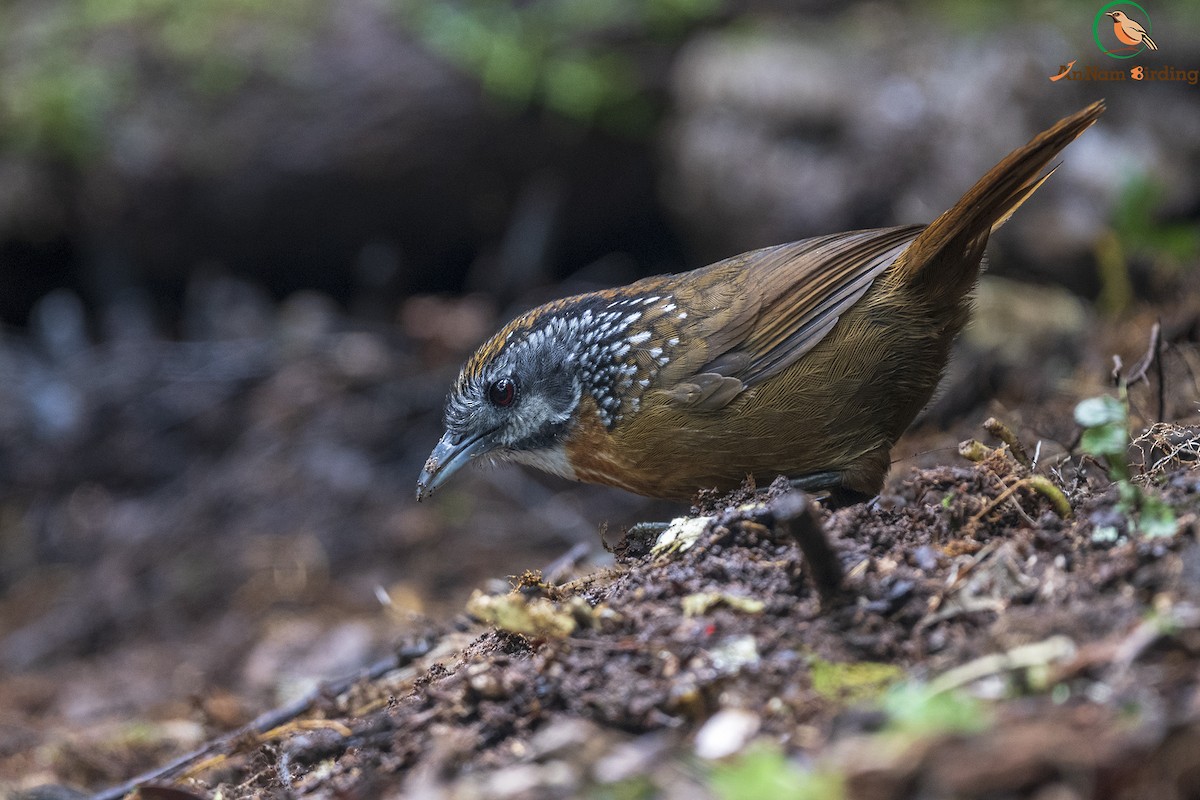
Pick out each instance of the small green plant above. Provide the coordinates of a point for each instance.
(763, 771)
(1105, 423)
(917, 710)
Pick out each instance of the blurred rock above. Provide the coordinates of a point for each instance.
(220, 307)
(448, 324)
(726, 733)
(1018, 321)
(59, 324)
(305, 319)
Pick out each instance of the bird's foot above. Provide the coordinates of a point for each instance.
(817, 482)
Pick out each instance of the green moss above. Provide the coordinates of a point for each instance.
(852, 683)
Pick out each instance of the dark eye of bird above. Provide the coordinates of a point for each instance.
(503, 392)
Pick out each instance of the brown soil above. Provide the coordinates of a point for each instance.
(979, 643)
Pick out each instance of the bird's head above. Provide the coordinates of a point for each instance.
(519, 396)
(1118, 16)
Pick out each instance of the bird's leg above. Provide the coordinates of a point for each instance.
(842, 497)
(681, 533)
(831, 482)
(817, 482)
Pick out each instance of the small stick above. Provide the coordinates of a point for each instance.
(1158, 369)
(794, 512)
(1004, 433)
(1140, 368)
(271, 719)
(974, 450)
(554, 572)
(1038, 483)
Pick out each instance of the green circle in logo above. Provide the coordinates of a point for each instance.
(1096, 27)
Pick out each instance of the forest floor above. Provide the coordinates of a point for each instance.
(1021, 623)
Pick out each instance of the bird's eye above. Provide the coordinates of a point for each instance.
(503, 392)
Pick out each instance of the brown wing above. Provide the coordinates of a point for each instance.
(763, 310)
(807, 287)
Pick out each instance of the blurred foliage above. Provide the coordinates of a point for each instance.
(917, 710)
(1138, 233)
(985, 16)
(68, 65)
(566, 55)
(762, 771)
(638, 787)
(1112, 267)
(1136, 223)
(1067, 16)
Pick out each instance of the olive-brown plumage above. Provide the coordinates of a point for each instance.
(806, 359)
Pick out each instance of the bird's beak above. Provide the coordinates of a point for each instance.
(451, 453)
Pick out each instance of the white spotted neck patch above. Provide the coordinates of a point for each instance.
(609, 344)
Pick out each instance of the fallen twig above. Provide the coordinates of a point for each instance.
(1138, 372)
(1005, 434)
(269, 722)
(1039, 483)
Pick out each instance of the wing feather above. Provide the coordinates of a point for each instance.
(804, 296)
(763, 310)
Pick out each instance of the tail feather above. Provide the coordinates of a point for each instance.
(947, 252)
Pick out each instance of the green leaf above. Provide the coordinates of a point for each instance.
(1097, 411)
(1129, 496)
(915, 709)
(581, 86)
(1105, 440)
(1157, 518)
(765, 772)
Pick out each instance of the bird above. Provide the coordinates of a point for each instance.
(1130, 32)
(807, 359)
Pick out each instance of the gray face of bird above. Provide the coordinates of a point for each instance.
(518, 407)
(520, 402)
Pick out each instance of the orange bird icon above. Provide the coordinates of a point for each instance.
(1130, 32)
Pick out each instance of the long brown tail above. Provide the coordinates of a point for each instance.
(946, 254)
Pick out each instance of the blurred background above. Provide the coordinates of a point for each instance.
(245, 246)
